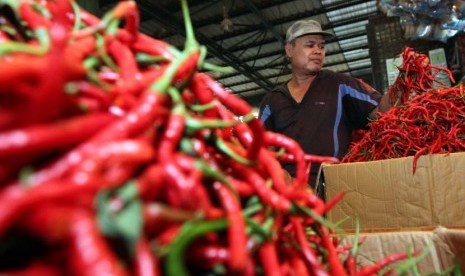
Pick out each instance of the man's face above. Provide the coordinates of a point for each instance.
(307, 53)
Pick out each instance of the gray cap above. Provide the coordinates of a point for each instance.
(305, 27)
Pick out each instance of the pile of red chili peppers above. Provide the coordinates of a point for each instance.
(427, 120)
(118, 156)
(416, 76)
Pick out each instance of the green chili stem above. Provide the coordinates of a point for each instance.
(210, 172)
(222, 146)
(149, 59)
(254, 228)
(89, 65)
(173, 214)
(14, 4)
(41, 9)
(77, 16)
(177, 99)
(250, 210)
(175, 265)
(187, 146)
(301, 209)
(191, 43)
(103, 53)
(203, 107)
(162, 84)
(412, 261)
(217, 69)
(113, 27)
(18, 47)
(280, 152)
(354, 249)
(193, 125)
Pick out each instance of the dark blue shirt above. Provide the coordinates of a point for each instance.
(322, 123)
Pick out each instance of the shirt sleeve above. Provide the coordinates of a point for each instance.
(359, 100)
(265, 113)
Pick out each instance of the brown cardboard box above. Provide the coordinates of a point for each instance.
(448, 247)
(387, 195)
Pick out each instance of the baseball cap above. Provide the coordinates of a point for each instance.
(304, 27)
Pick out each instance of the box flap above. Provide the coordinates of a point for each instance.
(387, 195)
(454, 239)
(441, 256)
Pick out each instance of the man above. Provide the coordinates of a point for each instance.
(318, 108)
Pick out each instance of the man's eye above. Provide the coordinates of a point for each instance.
(320, 46)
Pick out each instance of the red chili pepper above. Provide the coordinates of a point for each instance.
(275, 171)
(237, 239)
(279, 140)
(168, 235)
(268, 196)
(269, 259)
(129, 11)
(136, 84)
(124, 58)
(313, 264)
(33, 101)
(152, 46)
(171, 136)
(90, 92)
(351, 264)
(335, 265)
(128, 154)
(333, 201)
(75, 54)
(48, 100)
(187, 68)
(146, 264)
(415, 158)
(45, 138)
(242, 188)
(4, 37)
(241, 108)
(207, 256)
(16, 200)
(88, 18)
(150, 183)
(134, 122)
(311, 158)
(89, 254)
(298, 265)
(181, 190)
(202, 93)
(32, 18)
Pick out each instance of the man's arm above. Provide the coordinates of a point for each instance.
(384, 106)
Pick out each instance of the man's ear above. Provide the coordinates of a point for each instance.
(288, 48)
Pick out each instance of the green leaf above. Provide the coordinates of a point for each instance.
(119, 213)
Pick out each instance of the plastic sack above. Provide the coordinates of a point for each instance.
(427, 19)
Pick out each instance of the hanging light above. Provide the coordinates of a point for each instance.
(226, 24)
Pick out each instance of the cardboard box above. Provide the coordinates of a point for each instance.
(447, 248)
(387, 195)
